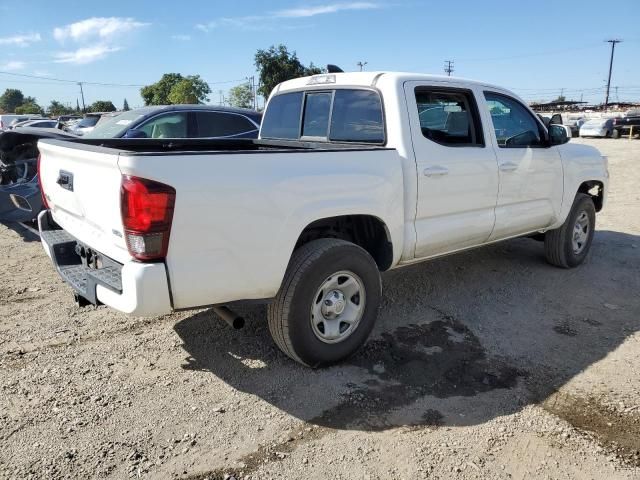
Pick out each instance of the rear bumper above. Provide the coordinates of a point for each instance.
(140, 289)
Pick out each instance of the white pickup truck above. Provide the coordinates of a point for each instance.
(353, 174)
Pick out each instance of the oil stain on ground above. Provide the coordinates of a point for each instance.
(442, 359)
(618, 432)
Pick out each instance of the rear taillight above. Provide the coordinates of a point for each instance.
(147, 213)
(45, 204)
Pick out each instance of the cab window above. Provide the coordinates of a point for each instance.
(514, 125)
(449, 116)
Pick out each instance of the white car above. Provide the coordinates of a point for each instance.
(600, 127)
(348, 179)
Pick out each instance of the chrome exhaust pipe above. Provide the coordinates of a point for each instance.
(234, 320)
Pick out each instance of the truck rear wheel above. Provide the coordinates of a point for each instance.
(568, 246)
(327, 304)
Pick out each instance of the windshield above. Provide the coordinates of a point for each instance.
(115, 127)
(88, 121)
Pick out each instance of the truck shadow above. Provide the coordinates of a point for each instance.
(459, 341)
(27, 234)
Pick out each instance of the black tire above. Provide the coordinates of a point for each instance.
(289, 314)
(615, 133)
(558, 243)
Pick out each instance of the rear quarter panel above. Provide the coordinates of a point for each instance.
(238, 215)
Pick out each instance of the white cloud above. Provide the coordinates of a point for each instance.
(102, 28)
(181, 38)
(13, 65)
(264, 22)
(85, 55)
(21, 40)
(324, 9)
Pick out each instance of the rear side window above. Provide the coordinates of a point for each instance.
(220, 124)
(449, 117)
(282, 119)
(357, 117)
(341, 115)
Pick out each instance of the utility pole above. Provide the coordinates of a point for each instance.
(84, 109)
(448, 67)
(613, 48)
(254, 94)
(362, 65)
(221, 102)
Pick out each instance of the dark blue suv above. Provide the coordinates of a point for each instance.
(180, 121)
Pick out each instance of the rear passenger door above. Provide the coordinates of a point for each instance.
(224, 125)
(456, 168)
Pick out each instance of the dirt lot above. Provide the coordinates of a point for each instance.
(488, 364)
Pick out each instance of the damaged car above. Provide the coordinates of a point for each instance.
(20, 198)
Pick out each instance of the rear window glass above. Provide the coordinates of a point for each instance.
(282, 119)
(354, 116)
(316, 114)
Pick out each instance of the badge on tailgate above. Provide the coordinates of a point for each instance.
(65, 180)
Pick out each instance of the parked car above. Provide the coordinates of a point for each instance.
(599, 127)
(7, 119)
(84, 126)
(22, 119)
(624, 125)
(181, 121)
(42, 123)
(574, 122)
(344, 182)
(67, 118)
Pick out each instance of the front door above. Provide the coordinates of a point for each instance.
(456, 167)
(531, 176)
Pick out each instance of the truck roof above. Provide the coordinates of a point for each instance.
(367, 79)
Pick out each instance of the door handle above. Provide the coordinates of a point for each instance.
(435, 171)
(508, 166)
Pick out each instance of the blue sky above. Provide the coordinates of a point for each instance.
(534, 48)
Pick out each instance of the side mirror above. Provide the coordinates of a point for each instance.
(559, 134)
(556, 119)
(135, 133)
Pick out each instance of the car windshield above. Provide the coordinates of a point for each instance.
(598, 122)
(88, 121)
(115, 127)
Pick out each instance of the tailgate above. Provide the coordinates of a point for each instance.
(82, 186)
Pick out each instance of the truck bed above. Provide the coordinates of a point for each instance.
(173, 146)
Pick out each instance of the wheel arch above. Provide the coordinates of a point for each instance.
(367, 231)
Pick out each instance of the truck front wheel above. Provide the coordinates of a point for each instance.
(567, 246)
(327, 304)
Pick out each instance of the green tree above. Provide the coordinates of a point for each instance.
(102, 106)
(125, 106)
(277, 65)
(30, 108)
(241, 96)
(56, 109)
(10, 99)
(191, 89)
(158, 93)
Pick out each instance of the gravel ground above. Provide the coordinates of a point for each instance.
(487, 364)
